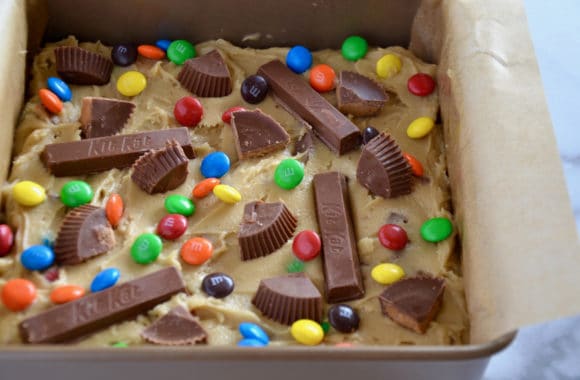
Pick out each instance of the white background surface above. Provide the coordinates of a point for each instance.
(552, 350)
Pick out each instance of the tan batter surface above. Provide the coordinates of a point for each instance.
(218, 221)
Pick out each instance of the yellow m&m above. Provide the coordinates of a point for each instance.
(420, 127)
(387, 273)
(131, 83)
(227, 194)
(388, 65)
(307, 332)
(28, 193)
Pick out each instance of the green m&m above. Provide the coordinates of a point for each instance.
(354, 48)
(179, 204)
(289, 173)
(436, 229)
(76, 193)
(146, 248)
(180, 51)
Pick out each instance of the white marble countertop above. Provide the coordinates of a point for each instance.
(552, 350)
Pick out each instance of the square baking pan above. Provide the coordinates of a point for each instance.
(520, 251)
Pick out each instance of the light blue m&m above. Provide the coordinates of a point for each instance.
(251, 331)
(60, 88)
(299, 59)
(215, 165)
(105, 279)
(37, 257)
(251, 343)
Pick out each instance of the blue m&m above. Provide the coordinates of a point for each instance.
(59, 88)
(215, 165)
(163, 44)
(251, 343)
(251, 331)
(105, 279)
(37, 257)
(299, 59)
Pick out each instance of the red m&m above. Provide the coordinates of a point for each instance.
(306, 245)
(188, 111)
(227, 115)
(172, 226)
(421, 84)
(393, 237)
(6, 239)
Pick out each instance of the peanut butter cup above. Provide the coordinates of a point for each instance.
(358, 95)
(104, 116)
(176, 328)
(257, 134)
(206, 76)
(76, 65)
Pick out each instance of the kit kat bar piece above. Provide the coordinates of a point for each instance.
(294, 93)
(99, 310)
(104, 153)
(342, 275)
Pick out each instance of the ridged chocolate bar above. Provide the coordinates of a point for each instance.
(105, 153)
(342, 275)
(99, 310)
(294, 93)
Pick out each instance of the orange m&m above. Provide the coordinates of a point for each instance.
(114, 209)
(66, 293)
(18, 294)
(196, 251)
(50, 101)
(322, 78)
(416, 166)
(205, 187)
(151, 52)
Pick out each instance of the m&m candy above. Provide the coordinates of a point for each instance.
(37, 257)
(343, 318)
(421, 84)
(289, 173)
(179, 204)
(151, 52)
(388, 65)
(254, 89)
(295, 266)
(387, 273)
(124, 54)
(368, 134)
(202, 189)
(196, 251)
(163, 44)
(172, 226)
(420, 127)
(17, 294)
(299, 59)
(76, 193)
(131, 83)
(227, 115)
(114, 209)
(28, 193)
(50, 101)
(252, 331)
(6, 239)
(146, 248)
(306, 245)
(59, 88)
(436, 229)
(416, 166)
(322, 78)
(66, 293)
(307, 332)
(180, 51)
(215, 165)
(227, 194)
(354, 48)
(217, 285)
(248, 342)
(393, 236)
(188, 111)
(105, 279)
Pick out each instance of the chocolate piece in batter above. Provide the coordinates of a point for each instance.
(96, 311)
(104, 116)
(257, 134)
(358, 95)
(84, 233)
(104, 153)
(382, 168)
(286, 299)
(342, 274)
(176, 328)
(158, 171)
(295, 94)
(80, 66)
(265, 228)
(413, 302)
(206, 76)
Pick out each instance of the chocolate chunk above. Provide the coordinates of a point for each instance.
(304, 143)
(295, 94)
(254, 89)
(368, 134)
(176, 328)
(80, 66)
(206, 76)
(104, 153)
(286, 299)
(342, 275)
(265, 228)
(413, 302)
(382, 168)
(358, 95)
(161, 170)
(217, 285)
(343, 318)
(84, 233)
(124, 54)
(97, 311)
(104, 116)
(257, 134)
